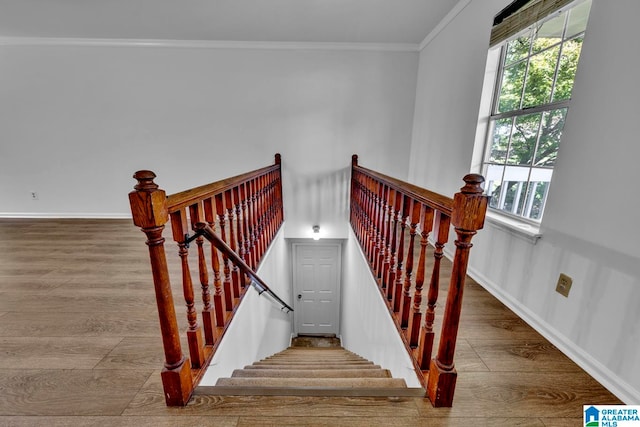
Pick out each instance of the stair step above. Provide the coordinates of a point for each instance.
(313, 366)
(311, 373)
(309, 391)
(312, 362)
(314, 382)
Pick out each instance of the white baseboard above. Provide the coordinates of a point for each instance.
(65, 215)
(613, 382)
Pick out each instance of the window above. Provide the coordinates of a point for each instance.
(534, 81)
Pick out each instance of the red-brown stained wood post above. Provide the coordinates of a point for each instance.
(442, 225)
(406, 294)
(469, 209)
(218, 305)
(279, 190)
(208, 325)
(373, 225)
(228, 294)
(245, 225)
(149, 210)
(378, 245)
(194, 333)
(235, 273)
(397, 252)
(425, 342)
(391, 194)
(355, 195)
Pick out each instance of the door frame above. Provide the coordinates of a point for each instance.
(293, 243)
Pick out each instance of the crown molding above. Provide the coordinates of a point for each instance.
(208, 44)
(459, 7)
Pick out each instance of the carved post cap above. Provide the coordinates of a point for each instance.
(470, 205)
(145, 181)
(354, 160)
(148, 202)
(278, 159)
(473, 184)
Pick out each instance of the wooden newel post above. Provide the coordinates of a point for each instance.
(469, 209)
(149, 210)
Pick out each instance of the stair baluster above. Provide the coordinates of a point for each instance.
(406, 295)
(226, 282)
(393, 249)
(402, 211)
(245, 225)
(152, 209)
(218, 302)
(208, 322)
(235, 275)
(194, 332)
(377, 231)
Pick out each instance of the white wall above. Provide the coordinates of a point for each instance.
(588, 228)
(366, 325)
(259, 328)
(77, 121)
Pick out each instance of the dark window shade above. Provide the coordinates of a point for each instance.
(526, 16)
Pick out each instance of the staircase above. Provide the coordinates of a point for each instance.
(312, 367)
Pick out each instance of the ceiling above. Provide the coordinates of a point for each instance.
(328, 21)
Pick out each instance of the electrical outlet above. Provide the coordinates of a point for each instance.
(34, 195)
(564, 285)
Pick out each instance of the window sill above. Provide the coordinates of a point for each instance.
(523, 230)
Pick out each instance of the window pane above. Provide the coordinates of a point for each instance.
(567, 69)
(536, 77)
(494, 184)
(518, 48)
(550, 133)
(578, 17)
(500, 140)
(536, 199)
(523, 140)
(514, 196)
(511, 88)
(542, 68)
(549, 33)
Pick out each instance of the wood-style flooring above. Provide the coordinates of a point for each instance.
(80, 346)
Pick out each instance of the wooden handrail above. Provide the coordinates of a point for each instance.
(186, 198)
(203, 229)
(437, 201)
(382, 208)
(248, 211)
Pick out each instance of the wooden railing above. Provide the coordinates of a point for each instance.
(246, 211)
(382, 208)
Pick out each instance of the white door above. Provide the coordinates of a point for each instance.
(316, 277)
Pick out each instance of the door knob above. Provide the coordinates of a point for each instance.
(299, 296)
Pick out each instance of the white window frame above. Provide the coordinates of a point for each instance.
(522, 225)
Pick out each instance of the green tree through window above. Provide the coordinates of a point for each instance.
(535, 80)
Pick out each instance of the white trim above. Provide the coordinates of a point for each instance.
(614, 383)
(521, 229)
(459, 7)
(295, 286)
(64, 215)
(207, 44)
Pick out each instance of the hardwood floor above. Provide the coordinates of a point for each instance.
(80, 345)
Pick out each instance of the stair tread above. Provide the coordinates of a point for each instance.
(311, 373)
(313, 382)
(307, 362)
(309, 391)
(313, 366)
